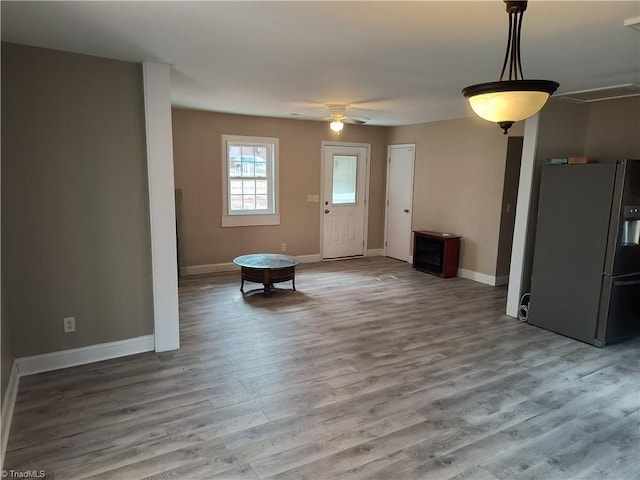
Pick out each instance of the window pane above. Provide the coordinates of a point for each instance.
(262, 202)
(235, 187)
(260, 168)
(234, 152)
(248, 202)
(236, 202)
(248, 187)
(235, 168)
(345, 174)
(247, 167)
(261, 187)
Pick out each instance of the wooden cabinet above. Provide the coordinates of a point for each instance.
(436, 253)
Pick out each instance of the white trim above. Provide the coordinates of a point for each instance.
(8, 404)
(84, 355)
(477, 276)
(210, 268)
(250, 220)
(231, 267)
(243, 219)
(525, 187)
(162, 214)
(374, 252)
(314, 258)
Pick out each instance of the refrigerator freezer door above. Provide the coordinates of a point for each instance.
(570, 246)
(620, 308)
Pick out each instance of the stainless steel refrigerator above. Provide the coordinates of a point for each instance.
(585, 280)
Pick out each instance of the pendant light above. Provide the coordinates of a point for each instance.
(507, 101)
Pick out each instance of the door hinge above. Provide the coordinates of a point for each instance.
(389, 160)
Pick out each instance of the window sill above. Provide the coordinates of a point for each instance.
(250, 220)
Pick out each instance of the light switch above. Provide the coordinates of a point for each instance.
(309, 198)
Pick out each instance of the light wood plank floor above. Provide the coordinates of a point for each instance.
(369, 370)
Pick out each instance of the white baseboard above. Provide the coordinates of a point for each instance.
(211, 268)
(230, 267)
(374, 252)
(313, 258)
(7, 408)
(477, 277)
(83, 355)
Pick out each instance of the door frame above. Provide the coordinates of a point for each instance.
(386, 202)
(366, 146)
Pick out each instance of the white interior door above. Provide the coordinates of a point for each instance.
(344, 200)
(399, 201)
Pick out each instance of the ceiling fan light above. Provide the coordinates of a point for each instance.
(336, 126)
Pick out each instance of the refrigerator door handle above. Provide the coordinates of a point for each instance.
(628, 283)
(613, 241)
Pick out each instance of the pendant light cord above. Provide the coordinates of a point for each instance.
(518, 65)
(512, 55)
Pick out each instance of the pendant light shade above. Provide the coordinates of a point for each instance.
(507, 101)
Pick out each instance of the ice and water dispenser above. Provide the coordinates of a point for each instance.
(631, 226)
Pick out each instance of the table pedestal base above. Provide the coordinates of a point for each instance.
(268, 277)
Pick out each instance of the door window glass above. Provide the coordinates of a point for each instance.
(345, 179)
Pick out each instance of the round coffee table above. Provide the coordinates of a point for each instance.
(267, 268)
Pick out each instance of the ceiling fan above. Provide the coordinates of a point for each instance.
(338, 117)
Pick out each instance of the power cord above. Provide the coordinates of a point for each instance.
(523, 311)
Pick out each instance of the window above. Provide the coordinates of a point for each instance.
(345, 180)
(249, 181)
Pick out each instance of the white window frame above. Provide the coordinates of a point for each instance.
(250, 218)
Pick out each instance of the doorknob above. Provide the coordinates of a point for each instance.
(326, 211)
(406, 210)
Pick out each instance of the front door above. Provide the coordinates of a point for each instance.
(400, 162)
(344, 207)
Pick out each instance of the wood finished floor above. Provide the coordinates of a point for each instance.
(369, 370)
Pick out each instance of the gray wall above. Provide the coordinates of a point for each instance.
(75, 227)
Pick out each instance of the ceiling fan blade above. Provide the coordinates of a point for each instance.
(354, 121)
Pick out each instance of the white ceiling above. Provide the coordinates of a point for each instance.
(395, 62)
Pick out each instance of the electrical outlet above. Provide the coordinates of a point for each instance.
(69, 324)
(283, 247)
